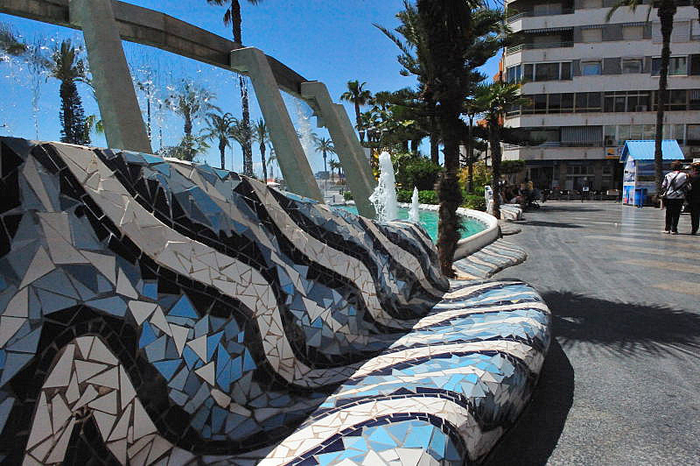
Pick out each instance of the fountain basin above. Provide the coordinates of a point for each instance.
(481, 229)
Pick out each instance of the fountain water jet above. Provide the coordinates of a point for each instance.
(384, 195)
(413, 214)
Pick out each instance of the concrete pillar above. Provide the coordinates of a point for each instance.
(290, 155)
(116, 98)
(347, 146)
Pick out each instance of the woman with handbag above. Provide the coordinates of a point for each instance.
(673, 190)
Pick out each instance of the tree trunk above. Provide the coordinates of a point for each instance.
(222, 152)
(264, 162)
(470, 158)
(434, 133)
(495, 146)
(236, 29)
(434, 149)
(449, 193)
(358, 120)
(666, 12)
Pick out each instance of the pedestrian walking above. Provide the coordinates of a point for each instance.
(673, 190)
(694, 198)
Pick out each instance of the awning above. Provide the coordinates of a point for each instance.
(644, 150)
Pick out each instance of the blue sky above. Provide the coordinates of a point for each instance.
(332, 42)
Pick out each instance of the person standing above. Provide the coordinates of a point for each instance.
(694, 198)
(674, 188)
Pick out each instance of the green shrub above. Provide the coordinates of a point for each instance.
(428, 197)
(348, 196)
(424, 197)
(414, 171)
(474, 201)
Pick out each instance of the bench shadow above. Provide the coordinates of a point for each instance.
(534, 436)
(623, 329)
(619, 329)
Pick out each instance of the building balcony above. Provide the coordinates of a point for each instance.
(551, 45)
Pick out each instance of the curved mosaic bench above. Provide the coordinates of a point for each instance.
(158, 312)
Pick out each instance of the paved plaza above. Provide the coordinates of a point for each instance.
(621, 383)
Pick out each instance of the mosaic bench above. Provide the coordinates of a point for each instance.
(160, 312)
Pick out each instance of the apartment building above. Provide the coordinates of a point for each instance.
(593, 85)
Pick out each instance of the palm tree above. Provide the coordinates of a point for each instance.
(219, 127)
(447, 26)
(495, 99)
(325, 146)
(191, 102)
(232, 17)
(359, 96)
(666, 11)
(240, 133)
(335, 165)
(263, 137)
(67, 66)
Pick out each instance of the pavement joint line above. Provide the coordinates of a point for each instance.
(691, 288)
(681, 254)
(645, 240)
(676, 267)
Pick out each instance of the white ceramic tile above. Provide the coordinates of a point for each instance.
(207, 373)
(142, 422)
(124, 286)
(59, 450)
(122, 426)
(41, 427)
(180, 337)
(108, 378)
(199, 346)
(106, 403)
(141, 310)
(86, 370)
(40, 266)
(104, 422)
(18, 305)
(84, 345)
(127, 392)
(8, 328)
(59, 412)
(101, 353)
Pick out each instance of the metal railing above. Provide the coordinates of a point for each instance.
(553, 45)
(532, 14)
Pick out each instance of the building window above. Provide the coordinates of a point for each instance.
(592, 4)
(627, 101)
(695, 65)
(632, 65)
(546, 71)
(592, 35)
(694, 99)
(514, 74)
(591, 68)
(632, 32)
(693, 135)
(588, 102)
(677, 66)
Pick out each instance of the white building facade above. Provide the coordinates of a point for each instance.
(593, 86)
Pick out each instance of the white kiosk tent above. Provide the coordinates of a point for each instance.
(638, 182)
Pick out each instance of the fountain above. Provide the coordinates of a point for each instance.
(413, 212)
(384, 195)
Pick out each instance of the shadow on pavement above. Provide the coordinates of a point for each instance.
(577, 207)
(623, 329)
(532, 439)
(539, 223)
